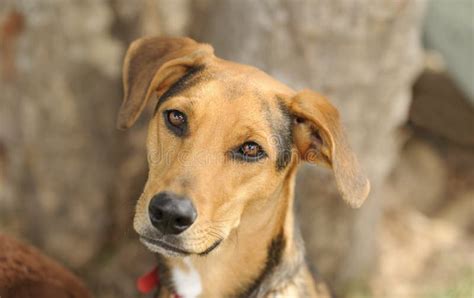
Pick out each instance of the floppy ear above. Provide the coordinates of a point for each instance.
(319, 138)
(153, 64)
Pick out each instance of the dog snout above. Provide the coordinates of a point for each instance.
(170, 213)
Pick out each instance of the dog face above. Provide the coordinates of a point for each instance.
(223, 141)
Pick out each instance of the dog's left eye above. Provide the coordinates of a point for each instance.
(249, 151)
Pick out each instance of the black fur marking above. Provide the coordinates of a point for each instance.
(274, 258)
(183, 83)
(164, 273)
(285, 137)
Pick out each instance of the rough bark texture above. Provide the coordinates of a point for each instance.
(68, 179)
(364, 56)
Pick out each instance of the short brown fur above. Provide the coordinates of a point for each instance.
(247, 206)
(27, 273)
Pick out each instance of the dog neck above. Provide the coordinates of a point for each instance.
(243, 264)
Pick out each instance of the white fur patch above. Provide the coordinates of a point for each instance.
(187, 282)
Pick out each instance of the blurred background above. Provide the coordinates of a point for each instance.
(400, 72)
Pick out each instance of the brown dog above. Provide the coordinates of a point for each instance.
(223, 148)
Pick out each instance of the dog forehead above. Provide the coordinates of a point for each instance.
(236, 98)
(246, 77)
(245, 86)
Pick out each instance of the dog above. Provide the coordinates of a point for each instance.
(223, 147)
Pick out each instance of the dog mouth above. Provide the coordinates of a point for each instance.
(166, 247)
(163, 245)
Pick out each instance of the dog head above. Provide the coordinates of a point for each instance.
(223, 140)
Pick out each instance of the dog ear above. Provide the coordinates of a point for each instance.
(152, 65)
(319, 138)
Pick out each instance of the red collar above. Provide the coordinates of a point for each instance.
(150, 281)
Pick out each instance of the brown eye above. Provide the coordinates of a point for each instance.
(176, 118)
(176, 122)
(249, 151)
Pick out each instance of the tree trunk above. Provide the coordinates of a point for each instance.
(364, 56)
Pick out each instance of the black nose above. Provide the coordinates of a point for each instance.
(171, 213)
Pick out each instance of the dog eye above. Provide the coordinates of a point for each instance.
(176, 118)
(249, 151)
(176, 121)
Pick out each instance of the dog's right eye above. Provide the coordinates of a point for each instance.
(176, 121)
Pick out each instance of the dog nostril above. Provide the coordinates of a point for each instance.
(158, 215)
(182, 222)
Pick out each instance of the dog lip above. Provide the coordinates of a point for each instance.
(211, 248)
(165, 245)
(178, 250)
